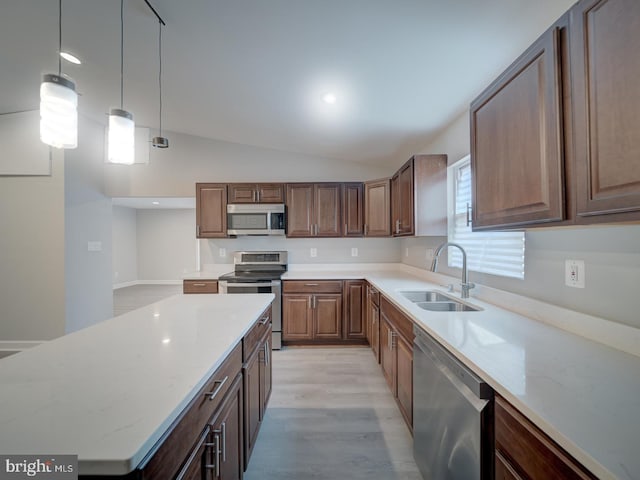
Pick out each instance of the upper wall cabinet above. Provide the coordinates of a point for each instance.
(517, 148)
(256, 193)
(605, 65)
(314, 210)
(352, 210)
(377, 208)
(211, 210)
(419, 197)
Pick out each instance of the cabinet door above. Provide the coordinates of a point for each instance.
(605, 35)
(211, 210)
(375, 331)
(270, 193)
(387, 354)
(395, 204)
(367, 312)
(327, 316)
(195, 468)
(227, 435)
(405, 179)
(377, 207)
(404, 352)
(516, 142)
(327, 206)
(300, 210)
(242, 193)
(252, 403)
(354, 320)
(297, 317)
(266, 374)
(352, 210)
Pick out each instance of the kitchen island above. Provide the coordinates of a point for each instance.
(109, 393)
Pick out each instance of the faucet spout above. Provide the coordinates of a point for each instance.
(465, 285)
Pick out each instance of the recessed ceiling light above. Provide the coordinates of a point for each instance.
(70, 58)
(166, 340)
(155, 203)
(329, 98)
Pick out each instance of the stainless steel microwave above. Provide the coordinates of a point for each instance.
(256, 219)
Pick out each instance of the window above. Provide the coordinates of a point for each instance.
(497, 253)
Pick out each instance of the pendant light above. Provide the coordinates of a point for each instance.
(121, 136)
(58, 104)
(160, 141)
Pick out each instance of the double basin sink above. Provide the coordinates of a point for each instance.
(437, 301)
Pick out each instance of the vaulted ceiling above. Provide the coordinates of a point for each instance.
(254, 71)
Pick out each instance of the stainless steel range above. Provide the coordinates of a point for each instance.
(259, 272)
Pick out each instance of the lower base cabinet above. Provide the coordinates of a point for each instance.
(524, 452)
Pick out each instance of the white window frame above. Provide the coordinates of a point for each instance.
(495, 253)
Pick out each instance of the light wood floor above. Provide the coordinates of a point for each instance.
(331, 416)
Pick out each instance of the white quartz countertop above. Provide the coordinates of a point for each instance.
(583, 394)
(107, 393)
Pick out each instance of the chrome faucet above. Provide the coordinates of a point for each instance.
(465, 286)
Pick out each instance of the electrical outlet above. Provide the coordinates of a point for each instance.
(574, 273)
(354, 251)
(95, 246)
(222, 252)
(313, 252)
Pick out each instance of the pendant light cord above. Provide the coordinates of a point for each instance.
(59, 37)
(160, 71)
(121, 53)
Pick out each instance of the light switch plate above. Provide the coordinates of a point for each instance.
(574, 273)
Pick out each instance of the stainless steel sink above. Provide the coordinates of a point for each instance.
(437, 301)
(425, 296)
(447, 306)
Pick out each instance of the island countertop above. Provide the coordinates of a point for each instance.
(108, 392)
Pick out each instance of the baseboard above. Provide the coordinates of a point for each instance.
(116, 286)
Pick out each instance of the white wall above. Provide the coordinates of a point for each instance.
(124, 245)
(611, 255)
(173, 172)
(32, 303)
(87, 280)
(166, 243)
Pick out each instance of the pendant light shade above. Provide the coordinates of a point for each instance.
(58, 112)
(58, 104)
(121, 141)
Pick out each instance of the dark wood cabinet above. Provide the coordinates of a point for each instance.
(517, 145)
(199, 286)
(373, 320)
(524, 451)
(605, 67)
(327, 316)
(211, 210)
(354, 309)
(396, 356)
(227, 438)
(311, 317)
(419, 197)
(352, 210)
(314, 210)
(377, 208)
(256, 193)
(297, 317)
(252, 403)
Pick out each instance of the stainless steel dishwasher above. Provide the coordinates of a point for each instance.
(452, 415)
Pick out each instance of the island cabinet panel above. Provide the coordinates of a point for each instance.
(373, 320)
(211, 210)
(377, 208)
(605, 66)
(181, 445)
(524, 451)
(227, 438)
(517, 148)
(352, 210)
(354, 310)
(396, 356)
(199, 286)
(256, 193)
(252, 401)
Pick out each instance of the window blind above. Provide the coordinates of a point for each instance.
(497, 253)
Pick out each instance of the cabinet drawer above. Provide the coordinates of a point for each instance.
(530, 450)
(399, 320)
(200, 286)
(252, 339)
(180, 439)
(312, 286)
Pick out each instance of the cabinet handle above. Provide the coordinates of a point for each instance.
(313, 302)
(468, 214)
(224, 441)
(344, 232)
(366, 229)
(216, 391)
(199, 284)
(216, 455)
(265, 320)
(266, 353)
(310, 284)
(192, 456)
(197, 230)
(257, 195)
(393, 336)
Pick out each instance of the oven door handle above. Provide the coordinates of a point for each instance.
(256, 284)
